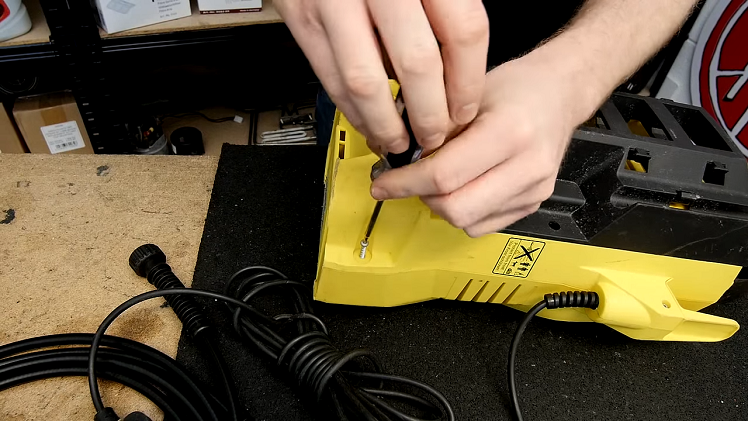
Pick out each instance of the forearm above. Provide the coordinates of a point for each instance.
(607, 42)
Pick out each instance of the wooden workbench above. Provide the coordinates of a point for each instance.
(64, 249)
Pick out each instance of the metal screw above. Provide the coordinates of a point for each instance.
(364, 246)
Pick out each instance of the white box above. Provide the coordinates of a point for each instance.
(228, 6)
(120, 15)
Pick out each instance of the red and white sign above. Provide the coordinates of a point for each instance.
(719, 69)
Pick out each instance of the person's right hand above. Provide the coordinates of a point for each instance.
(437, 48)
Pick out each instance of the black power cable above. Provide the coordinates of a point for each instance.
(149, 262)
(350, 385)
(300, 345)
(150, 372)
(309, 356)
(580, 299)
(306, 354)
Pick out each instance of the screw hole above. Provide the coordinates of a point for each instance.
(666, 303)
(554, 225)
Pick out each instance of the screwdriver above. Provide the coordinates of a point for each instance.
(390, 161)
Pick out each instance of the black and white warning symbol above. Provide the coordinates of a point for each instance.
(519, 257)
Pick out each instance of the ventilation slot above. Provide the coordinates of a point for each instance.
(714, 173)
(504, 298)
(492, 298)
(341, 145)
(596, 122)
(509, 297)
(641, 120)
(698, 128)
(683, 201)
(638, 160)
(461, 295)
(480, 291)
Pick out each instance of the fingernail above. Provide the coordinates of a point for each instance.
(467, 113)
(378, 193)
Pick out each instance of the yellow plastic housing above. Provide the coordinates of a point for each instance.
(414, 256)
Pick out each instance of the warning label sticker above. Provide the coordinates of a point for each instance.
(519, 257)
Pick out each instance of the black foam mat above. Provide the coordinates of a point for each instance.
(266, 210)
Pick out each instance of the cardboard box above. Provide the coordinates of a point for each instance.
(10, 140)
(51, 123)
(228, 6)
(120, 15)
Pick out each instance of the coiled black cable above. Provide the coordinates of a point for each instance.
(584, 299)
(150, 372)
(308, 356)
(351, 381)
(324, 363)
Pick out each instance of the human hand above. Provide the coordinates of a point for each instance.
(504, 164)
(437, 48)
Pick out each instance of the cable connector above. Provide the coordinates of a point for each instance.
(585, 299)
(107, 414)
(137, 416)
(149, 262)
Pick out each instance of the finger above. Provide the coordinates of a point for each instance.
(462, 29)
(498, 222)
(464, 158)
(305, 25)
(356, 51)
(414, 53)
(509, 186)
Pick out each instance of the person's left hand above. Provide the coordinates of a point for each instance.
(505, 163)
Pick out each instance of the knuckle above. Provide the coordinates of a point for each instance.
(475, 232)
(361, 83)
(523, 130)
(457, 219)
(431, 129)
(456, 215)
(386, 138)
(530, 209)
(304, 17)
(444, 182)
(547, 170)
(472, 29)
(421, 61)
(546, 191)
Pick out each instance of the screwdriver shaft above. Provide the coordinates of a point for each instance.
(373, 219)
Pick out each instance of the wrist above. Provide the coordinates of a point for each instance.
(580, 80)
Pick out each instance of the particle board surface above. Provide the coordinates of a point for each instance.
(67, 227)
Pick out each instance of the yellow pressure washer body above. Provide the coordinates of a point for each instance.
(650, 211)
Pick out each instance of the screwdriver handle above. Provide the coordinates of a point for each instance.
(413, 154)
